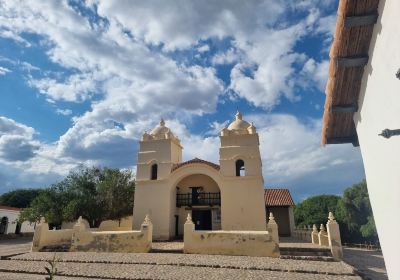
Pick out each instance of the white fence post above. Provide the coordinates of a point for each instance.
(272, 228)
(323, 236)
(334, 237)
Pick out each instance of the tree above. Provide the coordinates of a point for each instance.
(353, 212)
(48, 204)
(314, 210)
(96, 194)
(19, 198)
(356, 213)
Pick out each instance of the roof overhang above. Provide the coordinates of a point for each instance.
(348, 56)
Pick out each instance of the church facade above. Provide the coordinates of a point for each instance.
(228, 196)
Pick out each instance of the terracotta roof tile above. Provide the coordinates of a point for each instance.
(195, 160)
(278, 197)
(10, 208)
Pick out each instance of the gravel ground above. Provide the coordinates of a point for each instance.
(192, 260)
(143, 271)
(15, 246)
(370, 264)
(26, 276)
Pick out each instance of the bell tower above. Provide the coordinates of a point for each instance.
(158, 151)
(243, 206)
(239, 151)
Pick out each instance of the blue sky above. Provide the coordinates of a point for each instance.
(80, 81)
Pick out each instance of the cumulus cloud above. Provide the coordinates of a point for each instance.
(124, 57)
(315, 74)
(16, 143)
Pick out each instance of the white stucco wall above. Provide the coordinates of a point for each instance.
(379, 108)
(12, 217)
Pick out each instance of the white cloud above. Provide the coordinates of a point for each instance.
(315, 74)
(168, 25)
(64, 112)
(4, 70)
(203, 48)
(126, 61)
(16, 141)
(8, 34)
(228, 57)
(76, 88)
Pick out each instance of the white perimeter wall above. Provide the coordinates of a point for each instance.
(379, 108)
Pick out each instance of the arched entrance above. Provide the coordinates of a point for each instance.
(199, 195)
(3, 225)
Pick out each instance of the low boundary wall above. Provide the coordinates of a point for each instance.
(138, 241)
(45, 237)
(82, 238)
(329, 236)
(247, 243)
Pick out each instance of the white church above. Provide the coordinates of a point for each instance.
(228, 196)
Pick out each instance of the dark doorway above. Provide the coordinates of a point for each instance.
(18, 228)
(176, 226)
(154, 171)
(3, 225)
(202, 219)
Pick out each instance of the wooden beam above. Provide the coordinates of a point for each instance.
(352, 61)
(343, 140)
(356, 21)
(350, 108)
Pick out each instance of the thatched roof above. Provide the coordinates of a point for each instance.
(278, 197)
(348, 55)
(195, 161)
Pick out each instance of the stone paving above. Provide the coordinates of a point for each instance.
(174, 265)
(193, 260)
(155, 271)
(15, 246)
(369, 264)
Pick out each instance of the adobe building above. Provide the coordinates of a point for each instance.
(9, 221)
(362, 106)
(228, 196)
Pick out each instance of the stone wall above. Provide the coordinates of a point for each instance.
(247, 243)
(138, 241)
(82, 238)
(45, 237)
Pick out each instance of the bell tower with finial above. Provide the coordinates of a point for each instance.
(239, 152)
(241, 169)
(158, 151)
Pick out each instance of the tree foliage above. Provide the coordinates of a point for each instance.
(314, 210)
(353, 212)
(96, 194)
(356, 213)
(19, 198)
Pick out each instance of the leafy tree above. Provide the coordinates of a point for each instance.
(353, 212)
(314, 210)
(356, 213)
(96, 194)
(49, 204)
(19, 198)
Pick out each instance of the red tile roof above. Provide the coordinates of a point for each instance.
(278, 197)
(10, 208)
(195, 160)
